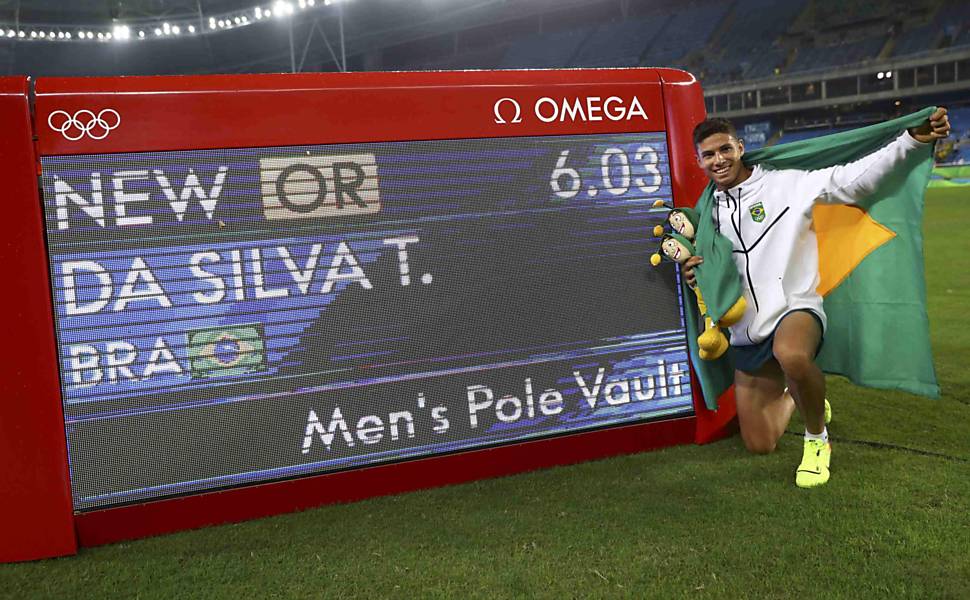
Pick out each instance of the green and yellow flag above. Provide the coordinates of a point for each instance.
(870, 262)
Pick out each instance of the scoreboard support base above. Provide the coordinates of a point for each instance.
(166, 516)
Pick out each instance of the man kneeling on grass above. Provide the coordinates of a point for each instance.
(767, 216)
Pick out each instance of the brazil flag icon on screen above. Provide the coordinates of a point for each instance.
(225, 351)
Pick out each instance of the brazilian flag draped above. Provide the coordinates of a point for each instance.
(870, 262)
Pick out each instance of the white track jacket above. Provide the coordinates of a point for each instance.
(768, 219)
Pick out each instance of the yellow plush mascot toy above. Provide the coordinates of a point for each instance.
(678, 245)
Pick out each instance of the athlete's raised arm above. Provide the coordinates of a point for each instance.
(852, 182)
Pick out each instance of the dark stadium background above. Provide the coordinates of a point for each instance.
(782, 70)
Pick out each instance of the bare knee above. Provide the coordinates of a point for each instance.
(796, 363)
(759, 444)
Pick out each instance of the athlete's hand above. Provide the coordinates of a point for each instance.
(936, 128)
(688, 269)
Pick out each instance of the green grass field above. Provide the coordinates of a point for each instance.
(690, 521)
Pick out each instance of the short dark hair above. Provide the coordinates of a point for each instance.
(706, 129)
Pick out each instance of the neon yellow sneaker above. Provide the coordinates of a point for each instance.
(814, 470)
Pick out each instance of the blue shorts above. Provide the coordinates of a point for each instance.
(751, 358)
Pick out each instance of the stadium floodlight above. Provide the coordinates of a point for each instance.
(120, 32)
(282, 8)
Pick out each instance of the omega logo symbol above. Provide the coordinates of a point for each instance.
(515, 109)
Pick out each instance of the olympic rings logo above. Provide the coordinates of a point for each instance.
(84, 122)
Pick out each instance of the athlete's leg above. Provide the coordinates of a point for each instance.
(764, 408)
(796, 342)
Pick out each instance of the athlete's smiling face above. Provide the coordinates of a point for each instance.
(719, 154)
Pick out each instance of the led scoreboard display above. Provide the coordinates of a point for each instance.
(382, 282)
(260, 313)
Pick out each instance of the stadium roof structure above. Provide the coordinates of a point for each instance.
(280, 34)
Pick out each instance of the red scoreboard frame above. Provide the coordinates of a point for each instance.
(201, 112)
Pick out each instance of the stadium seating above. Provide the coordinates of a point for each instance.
(687, 29)
(823, 15)
(917, 40)
(486, 58)
(841, 54)
(619, 44)
(954, 19)
(963, 39)
(544, 51)
(749, 50)
(739, 40)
